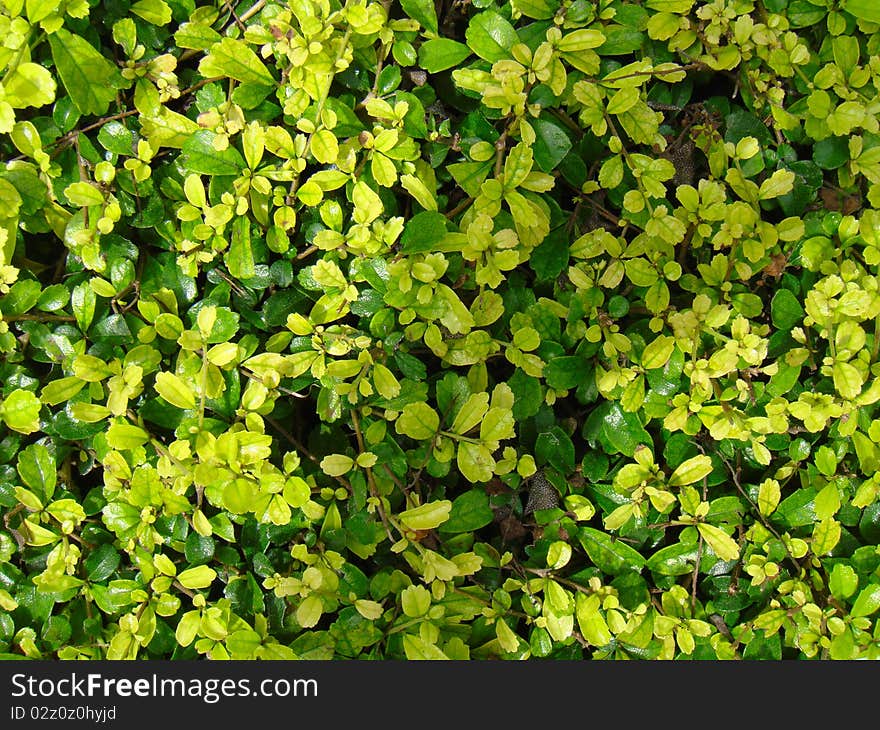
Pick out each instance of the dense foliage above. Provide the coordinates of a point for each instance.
(440, 329)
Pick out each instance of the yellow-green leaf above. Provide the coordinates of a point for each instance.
(471, 413)
(427, 516)
(125, 436)
(324, 146)
(156, 12)
(826, 535)
(417, 649)
(21, 411)
(175, 391)
(779, 183)
(691, 471)
(199, 577)
(234, 59)
(722, 544)
(308, 613)
(657, 353)
(335, 465)
(29, 84)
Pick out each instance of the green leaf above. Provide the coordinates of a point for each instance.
(657, 353)
(20, 410)
(490, 36)
(470, 511)
(83, 300)
(868, 601)
(470, 413)
(779, 183)
(843, 581)
(620, 40)
(609, 555)
(83, 194)
(240, 257)
(550, 258)
(422, 11)
(826, 535)
(847, 379)
(234, 59)
(470, 175)
(439, 54)
(126, 436)
(115, 137)
(60, 390)
(198, 549)
(37, 469)
(196, 36)
(102, 562)
(798, 509)
(199, 155)
(741, 123)
(336, 465)
(90, 79)
(156, 12)
(31, 189)
(497, 425)
(623, 431)
(21, 297)
(862, 9)
(591, 622)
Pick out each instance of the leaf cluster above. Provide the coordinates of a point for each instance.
(434, 330)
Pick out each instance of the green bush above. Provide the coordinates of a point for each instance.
(440, 329)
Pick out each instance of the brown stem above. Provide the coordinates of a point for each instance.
(462, 206)
(371, 481)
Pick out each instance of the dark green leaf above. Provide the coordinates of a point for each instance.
(470, 511)
(831, 153)
(102, 562)
(554, 447)
(565, 373)
(741, 123)
(785, 310)
(550, 258)
(552, 144)
(198, 550)
(623, 431)
(678, 559)
(609, 555)
(619, 40)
